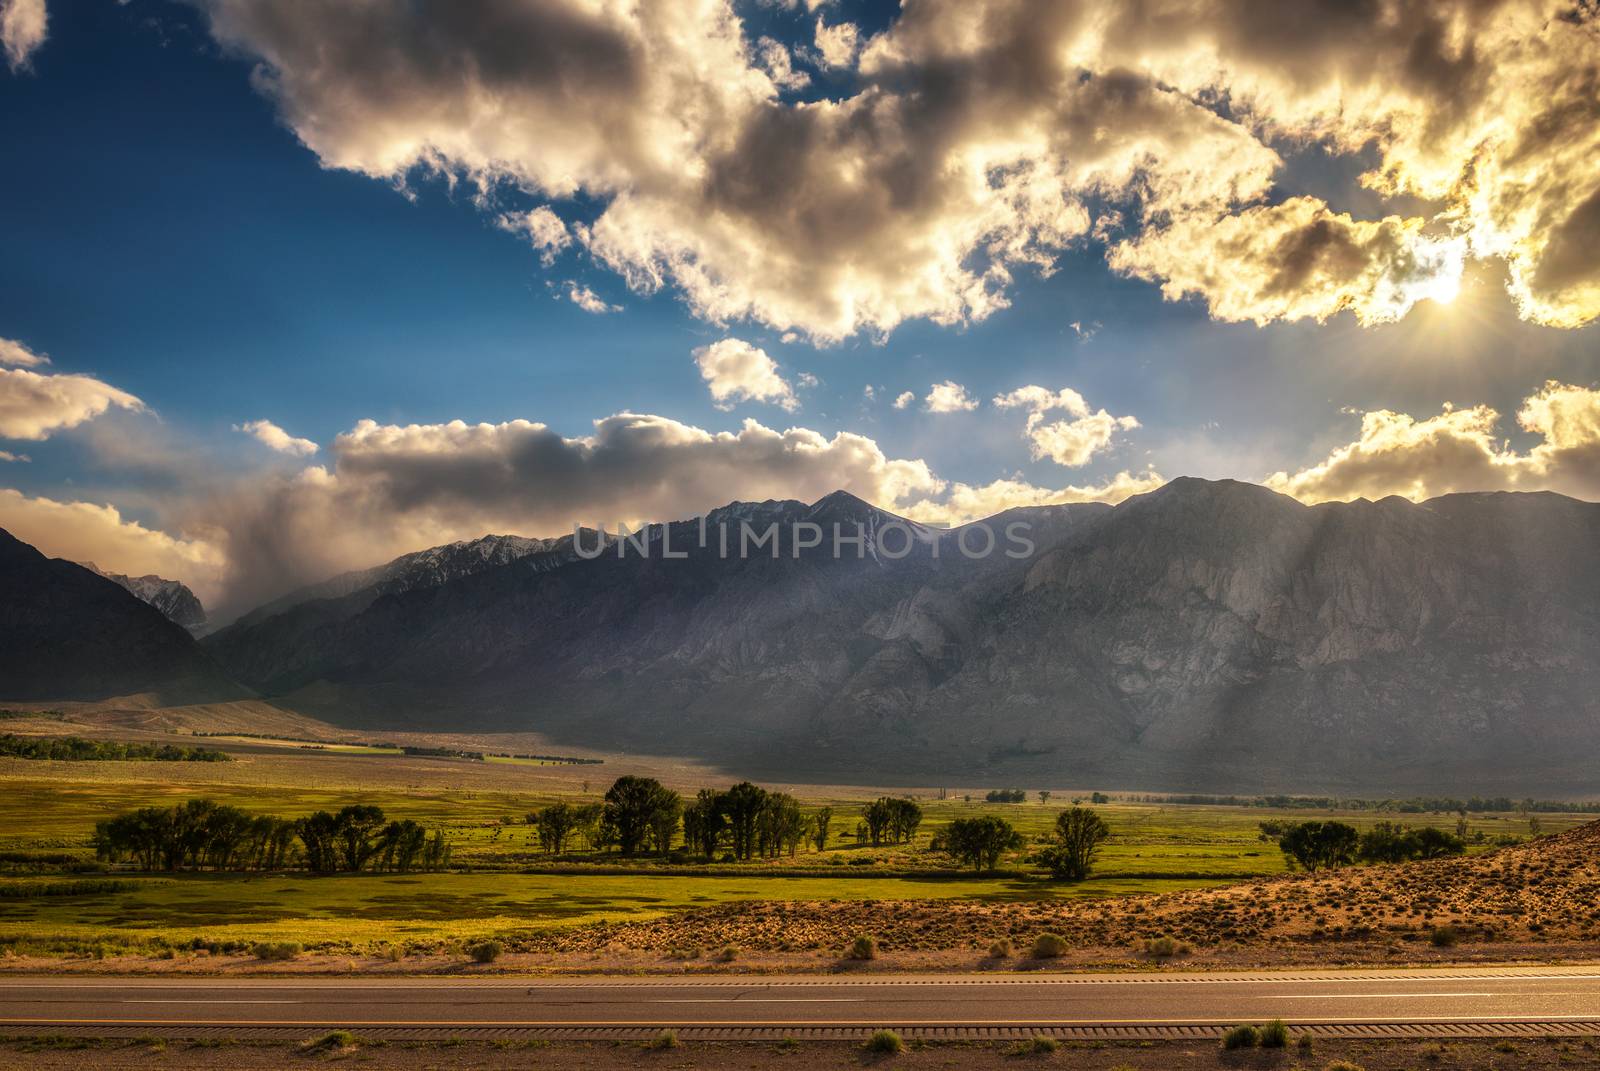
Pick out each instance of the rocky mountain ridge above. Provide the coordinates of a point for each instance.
(172, 597)
(1211, 635)
(69, 634)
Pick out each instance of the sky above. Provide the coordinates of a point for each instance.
(289, 287)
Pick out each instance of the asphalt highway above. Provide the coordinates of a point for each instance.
(1461, 996)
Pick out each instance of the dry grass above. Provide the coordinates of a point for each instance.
(1547, 891)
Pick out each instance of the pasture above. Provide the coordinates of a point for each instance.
(501, 885)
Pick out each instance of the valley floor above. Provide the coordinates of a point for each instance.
(1198, 879)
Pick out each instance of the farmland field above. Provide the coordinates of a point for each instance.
(501, 885)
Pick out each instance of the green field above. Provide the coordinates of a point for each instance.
(428, 911)
(501, 885)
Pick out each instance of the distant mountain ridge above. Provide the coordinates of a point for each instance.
(171, 597)
(423, 568)
(69, 634)
(1212, 635)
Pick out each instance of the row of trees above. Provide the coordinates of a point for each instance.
(891, 820)
(746, 821)
(1317, 846)
(79, 749)
(206, 835)
(1069, 856)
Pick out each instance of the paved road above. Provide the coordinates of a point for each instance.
(1169, 1004)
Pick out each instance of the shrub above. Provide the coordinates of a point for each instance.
(1241, 1037)
(667, 1039)
(1444, 937)
(1275, 1035)
(1049, 946)
(1343, 1065)
(1001, 949)
(863, 947)
(276, 951)
(338, 1039)
(885, 1041)
(484, 951)
(728, 954)
(1165, 947)
(1305, 1043)
(1042, 1043)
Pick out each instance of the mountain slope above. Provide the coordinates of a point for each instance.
(1206, 635)
(66, 633)
(171, 597)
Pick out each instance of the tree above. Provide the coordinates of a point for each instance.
(588, 818)
(819, 827)
(905, 816)
(1436, 843)
(1387, 842)
(318, 832)
(876, 816)
(704, 821)
(556, 824)
(780, 826)
(1078, 835)
(894, 820)
(630, 809)
(664, 819)
(979, 842)
(401, 845)
(1390, 842)
(1319, 845)
(742, 804)
(356, 829)
(1044, 797)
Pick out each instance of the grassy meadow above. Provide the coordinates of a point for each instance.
(500, 884)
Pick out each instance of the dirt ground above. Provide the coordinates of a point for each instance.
(66, 1055)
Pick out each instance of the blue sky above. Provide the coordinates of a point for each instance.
(168, 231)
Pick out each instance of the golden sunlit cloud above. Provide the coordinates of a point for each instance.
(972, 141)
(1460, 450)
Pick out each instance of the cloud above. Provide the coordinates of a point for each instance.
(775, 61)
(977, 138)
(86, 532)
(737, 371)
(265, 431)
(948, 397)
(18, 355)
(1460, 450)
(6, 455)
(588, 300)
(965, 502)
(837, 45)
(23, 25)
(1294, 261)
(1071, 442)
(33, 405)
(543, 229)
(904, 399)
(393, 489)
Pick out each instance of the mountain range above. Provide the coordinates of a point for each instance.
(172, 597)
(69, 633)
(1209, 635)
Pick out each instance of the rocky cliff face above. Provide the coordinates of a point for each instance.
(171, 597)
(67, 633)
(1207, 635)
